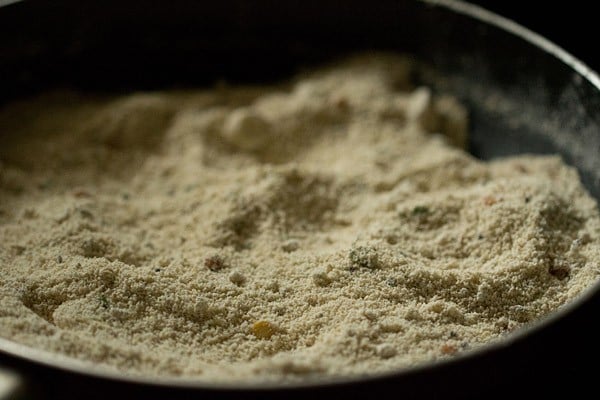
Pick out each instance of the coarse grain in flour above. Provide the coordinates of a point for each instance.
(328, 226)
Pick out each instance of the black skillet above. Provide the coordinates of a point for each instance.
(524, 94)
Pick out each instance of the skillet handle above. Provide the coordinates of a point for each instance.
(11, 385)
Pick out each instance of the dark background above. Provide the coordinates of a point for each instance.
(573, 25)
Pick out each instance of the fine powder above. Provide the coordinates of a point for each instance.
(327, 226)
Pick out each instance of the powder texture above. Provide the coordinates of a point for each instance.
(328, 226)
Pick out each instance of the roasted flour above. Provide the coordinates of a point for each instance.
(328, 226)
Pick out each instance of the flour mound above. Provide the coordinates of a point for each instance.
(331, 225)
